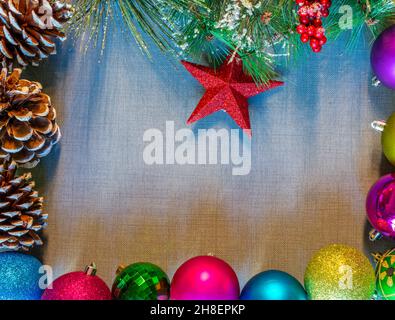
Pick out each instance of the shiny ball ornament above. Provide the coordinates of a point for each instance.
(141, 281)
(78, 286)
(385, 275)
(205, 278)
(273, 285)
(380, 207)
(19, 277)
(339, 272)
(387, 130)
(383, 57)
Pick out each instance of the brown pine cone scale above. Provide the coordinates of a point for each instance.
(28, 29)
(21, 216)
(28, 128)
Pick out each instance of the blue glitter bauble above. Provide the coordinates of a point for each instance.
(19, 277)
(273, 285)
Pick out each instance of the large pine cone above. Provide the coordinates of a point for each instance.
(27, 120)
(28, 29)
(21, 214)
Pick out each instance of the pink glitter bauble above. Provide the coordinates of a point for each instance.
(380, 206)
(77, 286)
(205, 278)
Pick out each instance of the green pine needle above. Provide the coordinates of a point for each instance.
(151, 17)
(352, 17)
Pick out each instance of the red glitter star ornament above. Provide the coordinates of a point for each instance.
(227, 89)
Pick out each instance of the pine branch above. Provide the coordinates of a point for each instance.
(152, 17)
(352, 17)
(261, 32)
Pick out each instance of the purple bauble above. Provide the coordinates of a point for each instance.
(205, 278)
(383, 57)
(380, 205)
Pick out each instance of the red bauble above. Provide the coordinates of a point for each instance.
(227, 89)
(78, 286)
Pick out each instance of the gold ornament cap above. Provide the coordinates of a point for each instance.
(91, 269)
(120, 268)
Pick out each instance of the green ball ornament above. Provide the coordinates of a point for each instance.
(339, 272)
(141, 281)
(385, 275)
(388, 137)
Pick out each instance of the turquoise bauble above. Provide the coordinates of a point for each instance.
(273, 285)
(19, 277)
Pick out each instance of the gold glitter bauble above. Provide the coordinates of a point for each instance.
(339, 272)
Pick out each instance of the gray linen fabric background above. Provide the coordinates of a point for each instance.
(314, 157)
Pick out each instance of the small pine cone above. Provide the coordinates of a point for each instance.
(21, 214)
(28, 129)
(28, 29)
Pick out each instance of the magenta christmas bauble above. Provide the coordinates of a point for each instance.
(205, 278)
(78, 286)
(380, 206)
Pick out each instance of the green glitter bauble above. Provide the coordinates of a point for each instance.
(339, 272)
(141, 281)
(385, 275)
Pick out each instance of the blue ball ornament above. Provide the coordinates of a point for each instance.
(273, 285)
(19, 277)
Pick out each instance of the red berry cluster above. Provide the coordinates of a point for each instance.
(310, 28)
